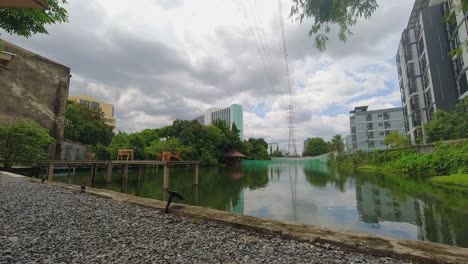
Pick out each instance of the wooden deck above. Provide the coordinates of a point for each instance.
(109, 164)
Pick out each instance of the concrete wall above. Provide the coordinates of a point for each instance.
(73, 151)
(35, 88)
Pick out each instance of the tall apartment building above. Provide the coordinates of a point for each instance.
(94, 103)
(231, 115)
(425, 68)
(458, 35)
(369, 128)
(272, 147)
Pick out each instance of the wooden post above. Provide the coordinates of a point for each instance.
(109, 173)
(93, 174)
(138, 181)
(195, 176)
(166, 176)
(50, 172)
(125, 171)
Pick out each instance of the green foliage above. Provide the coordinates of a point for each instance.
(457, 180)
(133, 141)
(396, 140)
(337, 144)
(23, 141)
(325, 13)
(102, 152)
(277, 154)
(156, 147)
(315, 146)
(256, 149)
(86, 125)
(26, 22)
(206, 144)
(446, 126)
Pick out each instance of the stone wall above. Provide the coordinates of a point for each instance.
(35, 88)
(73, 151)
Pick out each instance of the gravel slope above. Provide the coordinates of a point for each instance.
(45, 224)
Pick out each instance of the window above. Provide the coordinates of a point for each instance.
(371, 144)
(380, 124)
(388, 125)
(95, 105)
(370, 126)
(382, 133)
(369, 117)
(85, 103)
(382, 142)
(379, 115)
(387, 133)
(370, 135)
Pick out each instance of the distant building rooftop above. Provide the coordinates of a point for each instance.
(358, 109)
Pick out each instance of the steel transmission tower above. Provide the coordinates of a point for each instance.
(292, 151)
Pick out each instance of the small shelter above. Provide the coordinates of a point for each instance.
(233, 158)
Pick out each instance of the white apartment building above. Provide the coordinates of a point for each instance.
(231, 115)
(369, 128)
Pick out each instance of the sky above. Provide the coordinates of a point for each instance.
(161, 60)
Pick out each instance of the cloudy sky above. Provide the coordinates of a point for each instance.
(161, 60)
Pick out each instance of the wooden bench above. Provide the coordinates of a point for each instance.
(125, 154)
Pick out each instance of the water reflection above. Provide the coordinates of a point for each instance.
(312, 194)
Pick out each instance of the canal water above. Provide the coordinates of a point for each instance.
(311, 194)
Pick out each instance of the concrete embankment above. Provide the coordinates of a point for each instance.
(53, 222)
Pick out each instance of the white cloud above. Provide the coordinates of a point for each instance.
(160, 60)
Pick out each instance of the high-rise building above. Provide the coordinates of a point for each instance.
(94, 103)
(272, 147)
(369, 128)
(458, 36)
(231, 115)
(425, 68)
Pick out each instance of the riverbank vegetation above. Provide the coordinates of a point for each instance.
(446, 159)
(449, 158)
(318, 146)
(206, 144)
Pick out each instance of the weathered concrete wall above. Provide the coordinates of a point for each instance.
(35, 88)
(73, 151)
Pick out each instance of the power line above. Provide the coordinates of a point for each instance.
(291, 114)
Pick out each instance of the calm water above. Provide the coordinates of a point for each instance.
(311, 194)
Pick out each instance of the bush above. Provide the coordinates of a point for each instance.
(102, 152)
(23, 141)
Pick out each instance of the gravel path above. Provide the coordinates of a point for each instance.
(45, 224)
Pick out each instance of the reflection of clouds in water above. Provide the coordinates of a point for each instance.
(310, 205)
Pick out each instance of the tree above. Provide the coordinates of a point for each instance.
(344, 14)
(446, 126)
(256, 149)
(27, 22)
(396, 140)
(23, 141)
(277, 153)
(315, 146)
(337, 143)
(86, 125)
